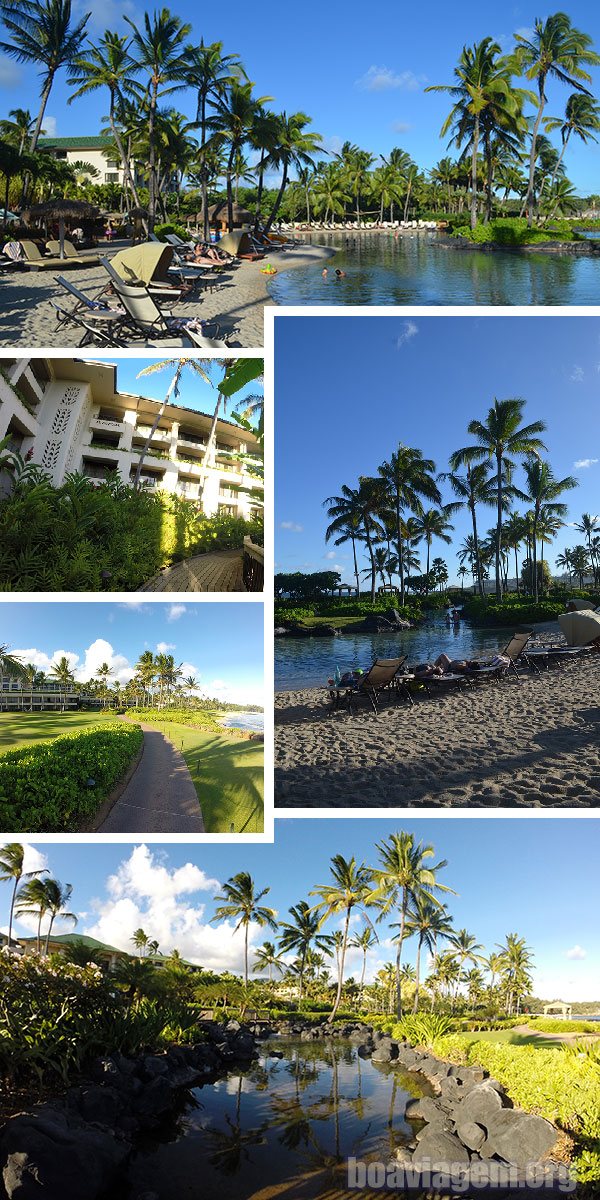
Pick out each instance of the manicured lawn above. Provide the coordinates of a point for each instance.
(25, 728)
(228, 776)
(511, 1038)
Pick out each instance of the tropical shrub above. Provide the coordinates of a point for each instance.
(514, 231)
(513, 610)
(90, 536)
(421, 1029)
(56, 1016)
(161, 231)
(56, 786)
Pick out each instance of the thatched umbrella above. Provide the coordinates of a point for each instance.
(61, 209)
(217, 215)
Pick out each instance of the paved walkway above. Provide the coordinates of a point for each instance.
(160, 796)
(220, 571)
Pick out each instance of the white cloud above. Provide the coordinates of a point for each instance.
(577, 374)
(10, 73)
(136, 605)
(384, 79)
(232, 693)
(410, 330)
(50, 127)
(163, 647)
(45, 662)
(333, 144)
(292, 526)
(400, 126)
(576, 952)
(100, 652)
(107, 14)
(582, 463)
(330, 554)
(165, 902)
(176, 611)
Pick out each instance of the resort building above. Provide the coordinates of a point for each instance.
(67, 415)
(96, 152)
(19, 696)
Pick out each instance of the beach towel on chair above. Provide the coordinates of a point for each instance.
(14, 251)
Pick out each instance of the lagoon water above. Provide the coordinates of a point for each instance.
(424, 268)
(282, 1122)
(254, 721)
(309, 662)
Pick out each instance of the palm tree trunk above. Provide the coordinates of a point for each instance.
(417, 977)
(399, 957)
(535, 588)
(356, 573)
(246, 955)
(340, 985)
(499, 528)
(278, 199)
(127, 175)
(474, 173)
(530, 199)
(259, 192)
(152, 158)
(373, 567)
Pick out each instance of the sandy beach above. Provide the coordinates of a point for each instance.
(28, 319)
(531, 742)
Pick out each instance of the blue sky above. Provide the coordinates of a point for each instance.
(361, 75)
(193, 391)
(503, 870)
(197, 635)
(373, 382)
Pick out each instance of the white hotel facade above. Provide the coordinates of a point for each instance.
(69, 416)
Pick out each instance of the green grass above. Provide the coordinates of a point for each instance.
(25, 728)
(227, 774)
(508, 1036)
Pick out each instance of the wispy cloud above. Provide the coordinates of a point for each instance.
(582, 463)
(163, 647)
(292, 526)
(576, 952)
(400, 127)
(176, 611)
(383, 79)
(409, 330)
(577, 374)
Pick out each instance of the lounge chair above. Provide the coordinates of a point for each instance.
(378, 678)
(35, 261)
(100, 321)
(514, 651)
(91, 260)
(148, 321)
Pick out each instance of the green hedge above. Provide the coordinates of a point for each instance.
(513, 610)
(556, 1025)
(514, 231)
(54, 787)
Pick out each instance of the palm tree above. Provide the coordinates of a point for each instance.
(42, 36)
(296, 146)
(498, 438)
(346, 894)
(64, 674)
(403, 875)
(209, 73)
(589, 526)
(513, 534)
(241, 901)
(160, 52)
(107, 64)
(178, 366)
(18, 131)
(32, 901)
(435, 522)
(466, 949)
(408, 477)
(103, 673)
(236, 110)
(138, 976)
(582, 115)
(50, 899)
(140, 940)
(363, 941)
(301, 934)
(473, 488)
(494, 963)
(267, 958)
(543, 490)
(556, 50)
(346, 520)
(11, 665)
(517, 960)
(483, 80)
(429, 921)
(11, 867)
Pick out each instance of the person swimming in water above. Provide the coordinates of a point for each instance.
(324, 272)
(340, 274)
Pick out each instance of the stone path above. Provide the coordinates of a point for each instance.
(220, 571)
(160, 797)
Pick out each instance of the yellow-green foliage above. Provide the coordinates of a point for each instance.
(556, 1025)
(561, 1087)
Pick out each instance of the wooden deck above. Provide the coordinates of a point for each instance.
(220, 571)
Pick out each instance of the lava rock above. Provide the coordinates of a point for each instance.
(44, 1154)
(520, 1138)
(482, 1104)
(471, 1135)
(440, 1148)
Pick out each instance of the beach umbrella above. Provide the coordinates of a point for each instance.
(217, 214)
(580, 628)
(60, 209)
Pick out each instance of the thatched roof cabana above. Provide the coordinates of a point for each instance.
(217, 215)
(62, 210)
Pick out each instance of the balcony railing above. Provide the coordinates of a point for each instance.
(253, 566)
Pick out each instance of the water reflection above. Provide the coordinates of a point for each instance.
(282, 1126)
(427, 269)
